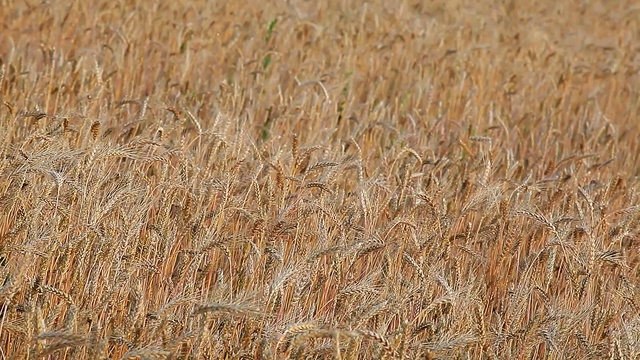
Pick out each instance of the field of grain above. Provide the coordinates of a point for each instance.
(334, 179)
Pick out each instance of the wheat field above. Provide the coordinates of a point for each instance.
(335, 179)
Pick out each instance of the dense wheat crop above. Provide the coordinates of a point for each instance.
(336, 179)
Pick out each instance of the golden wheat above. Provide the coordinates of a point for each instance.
(333, 179)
